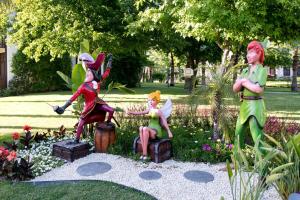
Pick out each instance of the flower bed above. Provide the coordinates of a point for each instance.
(40, 155)
(28, 159)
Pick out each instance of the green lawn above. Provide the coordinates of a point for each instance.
(32, 109)
(282, 83)
(77, 190)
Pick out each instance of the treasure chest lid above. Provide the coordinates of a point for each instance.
(70, 145)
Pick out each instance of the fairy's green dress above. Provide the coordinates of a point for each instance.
(154, 123)
(252, 112)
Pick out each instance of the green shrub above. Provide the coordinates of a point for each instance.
(126, 69)
(191, 136)
(158, 76)
(41, 76)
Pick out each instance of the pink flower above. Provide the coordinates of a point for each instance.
(16, 136)
(292, 128)
(12, 156)
(26, 128)
(229, 146)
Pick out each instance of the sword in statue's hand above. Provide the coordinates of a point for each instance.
(56, 107)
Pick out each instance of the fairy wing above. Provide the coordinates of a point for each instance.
(167, 108)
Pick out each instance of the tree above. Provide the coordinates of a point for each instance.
(227, 23)
(56, 27)
(294, 86)
(6, 7)
(157, 19)
(278, 56)
(157, 24)
(286, 55)
(232, 24)
(200, 52)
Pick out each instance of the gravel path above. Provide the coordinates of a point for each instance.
(172, 184)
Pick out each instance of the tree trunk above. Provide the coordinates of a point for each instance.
(234, 77)
(150, 75)
(172, 83)
(216, 113)
(235, 61)
(224, 58)
(144, 76)
(294, 86)
(203, 75)
(188, 83)
(186, 80)
(195, 78)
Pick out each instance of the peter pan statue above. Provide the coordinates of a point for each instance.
(251, 85)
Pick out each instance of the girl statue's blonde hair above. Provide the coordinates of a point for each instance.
(155, 96)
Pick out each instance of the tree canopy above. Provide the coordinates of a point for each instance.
(56, 27)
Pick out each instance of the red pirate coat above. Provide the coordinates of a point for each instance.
(90, 95)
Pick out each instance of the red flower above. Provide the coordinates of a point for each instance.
(26, 128)
(16, 136)
(3, 151)
(11, 156)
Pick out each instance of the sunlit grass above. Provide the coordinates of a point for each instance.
(32, 109)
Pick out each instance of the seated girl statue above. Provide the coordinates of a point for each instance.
(158, 122)
(94, 108)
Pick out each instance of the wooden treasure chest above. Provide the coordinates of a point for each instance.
(70, 151)
(159, 150)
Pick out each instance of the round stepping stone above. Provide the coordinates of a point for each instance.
(93, 168)
(150, 175)
(199, 176)
(294, 196)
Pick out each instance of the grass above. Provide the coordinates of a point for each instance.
(32, 109)
(285, 83)
(75, 190)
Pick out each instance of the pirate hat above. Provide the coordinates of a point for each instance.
(90, 62)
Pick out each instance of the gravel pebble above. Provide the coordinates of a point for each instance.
(172, 184)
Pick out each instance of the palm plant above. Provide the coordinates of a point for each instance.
(285, 166)
(277, 164)
(249, 182)
(218, 89)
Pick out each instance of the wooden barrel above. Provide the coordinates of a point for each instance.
(105, 135)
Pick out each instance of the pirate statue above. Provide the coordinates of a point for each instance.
(94, 108)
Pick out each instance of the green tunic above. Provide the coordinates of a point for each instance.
(155, 123)
(254, 108)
